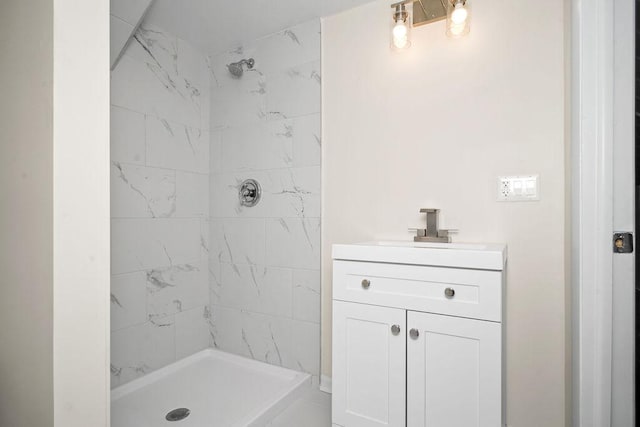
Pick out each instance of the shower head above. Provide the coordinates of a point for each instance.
(235, 68)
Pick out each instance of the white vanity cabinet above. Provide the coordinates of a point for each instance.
(419, 343)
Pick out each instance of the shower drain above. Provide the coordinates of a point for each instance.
(178, 414)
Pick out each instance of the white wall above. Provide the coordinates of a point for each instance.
(434, 127)
(80, 212)
(26, 246)
(54, 249)
(160, 204)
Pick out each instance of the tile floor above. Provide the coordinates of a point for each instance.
(313, 409)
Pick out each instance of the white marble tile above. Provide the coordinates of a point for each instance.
(214, 265)
(306, 295)
(216, 243)
(225, 329)
(140, 349)
(171, 145)
(128, 300)
(267, 338)
(258, 336)
(160, 96)
(215, 283)
(130, 11)
(307, 140)
(294, 92)
(220, 75)
(180, 69)
(239, 103)
(215, 195)
(252, 138)
(120, 32)
(293, 243)
(231, 292)
(294, 46)
(294, 192)
(205, 108)
(127, 136)
(192, 195)
(241, 241)
(305, 346)
(215, 152)
(146, 88)
(142, 192)
(225, 202)
(156, 48)
(259, 289)
(174, 289)
(266, 145)
(192, 64)
(141, 244)
(289, 192)
(205, 238)
(192, 331)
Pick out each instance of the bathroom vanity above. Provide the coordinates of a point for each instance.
(418, 331)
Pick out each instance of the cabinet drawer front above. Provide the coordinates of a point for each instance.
(475, 294)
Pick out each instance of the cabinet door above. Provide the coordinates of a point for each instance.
(369, 365)
(453, 372)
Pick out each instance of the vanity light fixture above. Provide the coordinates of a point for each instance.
(401, 31)
(413, 13)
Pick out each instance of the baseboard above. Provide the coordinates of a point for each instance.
(325, 383)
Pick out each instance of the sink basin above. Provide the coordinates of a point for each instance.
(460, 255)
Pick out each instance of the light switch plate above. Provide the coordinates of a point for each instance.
(518, 188)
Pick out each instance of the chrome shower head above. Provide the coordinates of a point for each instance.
(235, 68)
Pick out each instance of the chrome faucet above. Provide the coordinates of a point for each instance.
(432, 233)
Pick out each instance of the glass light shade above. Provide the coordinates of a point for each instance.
(401, 29)
(458, 18)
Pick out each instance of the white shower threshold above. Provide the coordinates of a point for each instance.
(219, 389)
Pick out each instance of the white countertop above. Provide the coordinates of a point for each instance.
(460, 255)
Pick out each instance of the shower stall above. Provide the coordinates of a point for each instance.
(215, 293)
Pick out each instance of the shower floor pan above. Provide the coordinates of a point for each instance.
(218, 388)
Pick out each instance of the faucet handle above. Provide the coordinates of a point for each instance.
(420, 232)
(447, 233)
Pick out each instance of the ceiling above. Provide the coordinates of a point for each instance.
(216, 25)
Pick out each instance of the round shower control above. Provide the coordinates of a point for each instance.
(249, 193)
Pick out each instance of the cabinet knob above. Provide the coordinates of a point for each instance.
(449, 293)
(395, 329)
(366, 283)
(414, 333)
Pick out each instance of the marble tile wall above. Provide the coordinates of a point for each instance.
(264, 263)
(160, 204)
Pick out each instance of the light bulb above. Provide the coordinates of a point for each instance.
(400, 33)
(400, 30)
(456, 30)
(459, 14)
